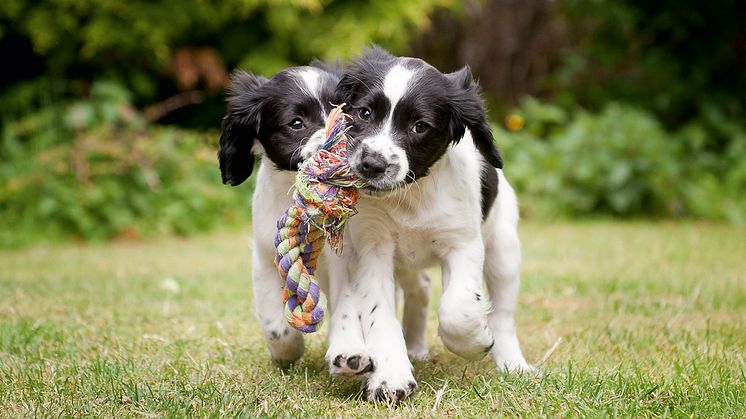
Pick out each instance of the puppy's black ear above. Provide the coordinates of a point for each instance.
(240, 127)
(468, 112)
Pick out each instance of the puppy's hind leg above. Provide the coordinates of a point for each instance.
(416, 287)
(502, 273)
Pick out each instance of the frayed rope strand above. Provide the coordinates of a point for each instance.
(324, 199)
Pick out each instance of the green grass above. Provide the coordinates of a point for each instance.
(651, 316)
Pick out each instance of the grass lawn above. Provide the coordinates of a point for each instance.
(651, 317)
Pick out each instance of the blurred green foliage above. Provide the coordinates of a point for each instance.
(133, 41)
(76, 156)
(93, 169)
(81, 157)
(681, 60)
(622, 162)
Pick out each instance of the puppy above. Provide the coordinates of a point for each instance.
(281, 120)
(435, 195)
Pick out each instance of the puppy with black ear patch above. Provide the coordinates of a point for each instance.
(282, 121)
(436, 194)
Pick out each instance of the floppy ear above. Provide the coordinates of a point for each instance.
(240, 126)
(468, 112)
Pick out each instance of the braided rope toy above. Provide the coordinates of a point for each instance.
(324, 199)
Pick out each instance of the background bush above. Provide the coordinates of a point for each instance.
(95, 169)
(110, 109)
(80, 155)
(157, 49)
(621, 162)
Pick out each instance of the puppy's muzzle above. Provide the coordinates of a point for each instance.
(371, 165)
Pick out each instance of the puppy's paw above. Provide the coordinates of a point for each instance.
(417, 347)
(469, 344)
(350, 365)
(391, 387)
(508, 356)
(418, 353)
(285, 345)
(516, 366)
(462, 325)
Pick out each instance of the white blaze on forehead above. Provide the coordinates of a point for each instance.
(311, 80)
(396, 83)
(312, 84)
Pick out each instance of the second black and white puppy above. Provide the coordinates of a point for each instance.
(281, 120)
(436, 195)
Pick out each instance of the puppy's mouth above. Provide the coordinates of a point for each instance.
(374, 192)
(380, 189)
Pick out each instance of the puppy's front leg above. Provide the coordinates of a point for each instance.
(373, 285)
(347, 354)
(462, 315)
(416, 287)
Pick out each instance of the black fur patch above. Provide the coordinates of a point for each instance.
(488, 182)
(353, 362)
(371, 367)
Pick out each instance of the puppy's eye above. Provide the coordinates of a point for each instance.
(420, 127)
(296, 124)
(364, 113)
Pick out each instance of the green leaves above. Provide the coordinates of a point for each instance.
(621, 162)
(104, 173)
(264, 36)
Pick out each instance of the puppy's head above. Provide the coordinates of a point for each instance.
(282, 117)
(405, 116)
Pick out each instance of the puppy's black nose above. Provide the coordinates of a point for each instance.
(372, 165)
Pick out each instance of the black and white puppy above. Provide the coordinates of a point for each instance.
(422, 141)
(281, 120)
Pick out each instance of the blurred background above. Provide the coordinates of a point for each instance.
(110, 109)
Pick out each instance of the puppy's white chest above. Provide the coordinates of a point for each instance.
(415, 249)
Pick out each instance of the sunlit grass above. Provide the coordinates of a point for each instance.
(652, 321)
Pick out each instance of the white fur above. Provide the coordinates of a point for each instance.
(309, 81)
(313, 143)
(271, 198)
(396, 83)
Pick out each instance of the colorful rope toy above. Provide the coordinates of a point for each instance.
(324, 199)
